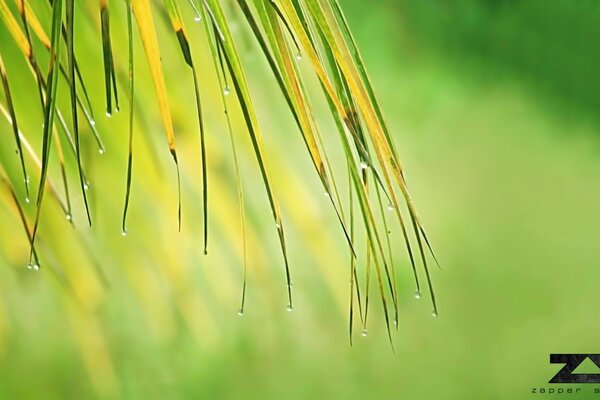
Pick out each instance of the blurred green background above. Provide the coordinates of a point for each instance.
(494, 110)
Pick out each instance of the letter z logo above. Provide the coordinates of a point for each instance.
(572, 361)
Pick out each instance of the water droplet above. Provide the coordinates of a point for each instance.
(327, 194)
(277, 225)
(86, 186)
(108, 115)
(124, 232)
(289, 308)
(27, 200)
(69, 217)
(241, 312)
(390, 207)
(27, 180)
(434, 314)
(299, 56)
(417, 294)
(363, 165)
(395, 322)
(364, 333)
(197, 18)
(36, 267)
(226, 91)
(92, 122)
(29, 266)
(101, 151)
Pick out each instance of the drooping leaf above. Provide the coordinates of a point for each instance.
(49, 110)
(145, 22)
(110, 81)
(73, 90)
(131, 80)
(239, 81)
(180, 32)
(15, 127)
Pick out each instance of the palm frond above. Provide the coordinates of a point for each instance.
(300, 40)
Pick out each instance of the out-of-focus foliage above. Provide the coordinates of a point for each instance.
(549, 48)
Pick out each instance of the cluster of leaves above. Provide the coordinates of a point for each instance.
(286, 31)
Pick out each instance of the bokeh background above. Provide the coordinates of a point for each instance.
(493, 107)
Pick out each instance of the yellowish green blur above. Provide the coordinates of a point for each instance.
(494, 112)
